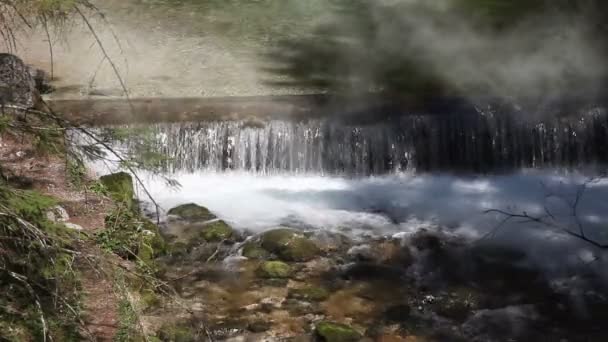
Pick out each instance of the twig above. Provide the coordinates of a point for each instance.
(105, 53)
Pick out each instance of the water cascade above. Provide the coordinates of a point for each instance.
(477, 143)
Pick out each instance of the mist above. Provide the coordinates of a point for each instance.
(407, 47)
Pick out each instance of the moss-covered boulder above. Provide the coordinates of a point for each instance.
(176, 333)
(217, 231)
(274, 269)
(252, 250)
(335, 332)
(289, 245)
(311, 294)
(192, 212)
(119, 186)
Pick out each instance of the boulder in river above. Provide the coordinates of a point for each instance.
(289, 245)
(216, 231)
(191, 212)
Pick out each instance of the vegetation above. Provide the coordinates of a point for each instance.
(37, 272)
(386, 48)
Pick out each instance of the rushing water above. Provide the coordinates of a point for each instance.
(478, 143)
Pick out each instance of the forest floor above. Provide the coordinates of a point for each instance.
(47, 174)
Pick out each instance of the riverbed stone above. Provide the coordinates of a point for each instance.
(252, 250)
(120, 187)
(309, 293)
(289, 245)
(336, 332)
(191, 212)
(274, 269)
(217, 231)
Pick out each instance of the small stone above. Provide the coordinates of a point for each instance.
(197, 307)
(397, 313)
(57, 214)
(73, 226)
(251, 307)
(335, 332)
(258, 326)
(272, 301)
(311, 293)
(274, 269)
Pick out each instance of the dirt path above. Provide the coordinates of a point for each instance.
(47, 174)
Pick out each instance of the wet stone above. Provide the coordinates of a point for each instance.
(259, 326)
(274, 269)
(397, 313)
(311, 293)
(191, 212)
(336, 332)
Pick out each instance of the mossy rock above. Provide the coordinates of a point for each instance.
(150, 299)
(311, 294)
(274, 269)
(252, 250)
(154, 238)
(335, 332)
(119, 186)
(289, 245)
(178, 249)
(217, 231)
(192, 212)
(176, 333)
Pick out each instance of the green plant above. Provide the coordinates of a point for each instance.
(41, 289)
(76, 172)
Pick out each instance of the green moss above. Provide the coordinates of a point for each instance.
(150, 299)
(131, 236)
(119, 186)
(217, 231)
(38, 252)
(289, 245)
(127, 323)
(274, 269)
(30, 205)
(335, 332)
(192, 212)
(252, 250)
(311, 293)
(175, 333)
(14, 331)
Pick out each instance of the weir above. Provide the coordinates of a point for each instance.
(482, 142)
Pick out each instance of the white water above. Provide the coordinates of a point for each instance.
(404, 203)
(386, 204)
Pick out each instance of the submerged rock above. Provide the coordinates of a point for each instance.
(274, 269)
(119, 186)
(289, 245)
(191, 212)
(311, 293)
(335, 332)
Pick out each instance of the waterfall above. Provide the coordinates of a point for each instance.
(484, 142)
